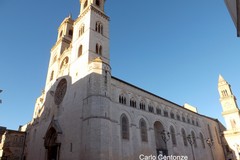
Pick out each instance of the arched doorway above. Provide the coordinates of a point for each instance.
(51, 144)
(161, 145)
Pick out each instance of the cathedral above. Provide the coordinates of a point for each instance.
(85, 113)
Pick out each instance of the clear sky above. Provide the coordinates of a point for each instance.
(175, 49)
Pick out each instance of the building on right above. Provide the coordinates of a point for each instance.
(233, 7)
(231, 114)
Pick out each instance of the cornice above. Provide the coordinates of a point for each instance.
(235, 110)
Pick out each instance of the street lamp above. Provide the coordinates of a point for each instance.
(191, 142)
(210, 144)
(165, 136)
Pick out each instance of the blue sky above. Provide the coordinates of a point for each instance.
(175, 49)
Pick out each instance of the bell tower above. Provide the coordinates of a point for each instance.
(231, 112)
(96, 3)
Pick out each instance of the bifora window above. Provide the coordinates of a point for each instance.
(142, 105)
(98, 49)
(99, 27)
(133, 103)
(122, 99)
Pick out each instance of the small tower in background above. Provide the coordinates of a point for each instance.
(228, 101)
(231, 114)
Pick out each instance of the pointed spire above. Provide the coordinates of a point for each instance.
(70, 15)
(220, 78)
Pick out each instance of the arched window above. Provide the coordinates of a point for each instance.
(159, 111)
(194, 139)
(70, 32)
(122, 99)
(60, 35)
(173, 135)
(124, 127)
(97, 48)
(101, 30)
(64, 63)
(81, 30)
(143, 130)
(172, 115)
(100, 50)
(183, 118)
(99, 27)
(133, 103)
(85, 4)
(184, 137)
(165, 113)
(52, 74)
(193, 122)
(80, 51)
(188, 120)
(150, 108)
(225, 93)
(98, 3)
(202, 140)
(142, 105)
(197, 124)
(178, 117)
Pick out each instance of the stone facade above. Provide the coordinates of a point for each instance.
(11, 144)
(86, 113)
(231, 114)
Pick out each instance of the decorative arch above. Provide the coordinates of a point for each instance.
(51, 140)
(64, 62)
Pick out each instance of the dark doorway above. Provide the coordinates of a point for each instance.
(52, 153)
(51, 144)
